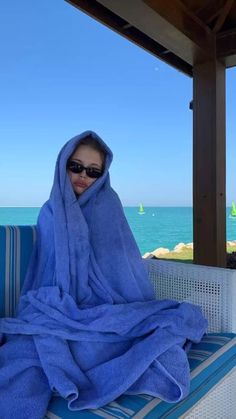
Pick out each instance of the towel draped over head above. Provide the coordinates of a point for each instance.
(88, 325)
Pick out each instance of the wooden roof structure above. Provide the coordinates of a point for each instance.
(198, 38)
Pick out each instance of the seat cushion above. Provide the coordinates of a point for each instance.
(210, 361)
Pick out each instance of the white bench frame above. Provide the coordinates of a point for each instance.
(213, 289)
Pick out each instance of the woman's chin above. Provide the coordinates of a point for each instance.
(79, 190)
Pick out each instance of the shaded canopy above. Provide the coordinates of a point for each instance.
(179, 32)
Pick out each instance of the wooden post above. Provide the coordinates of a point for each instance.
(209, 177)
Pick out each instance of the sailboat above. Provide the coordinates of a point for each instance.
(141, 209)
(233, 211)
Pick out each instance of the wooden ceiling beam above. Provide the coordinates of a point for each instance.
(212, 17)
(183, 21)
(223, 15)
(209, 11)
(203, 7)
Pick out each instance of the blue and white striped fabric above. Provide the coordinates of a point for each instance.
(210, 360)
(16, 245)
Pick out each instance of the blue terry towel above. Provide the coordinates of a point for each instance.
(88, 326)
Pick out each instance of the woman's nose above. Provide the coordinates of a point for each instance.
(83, 173)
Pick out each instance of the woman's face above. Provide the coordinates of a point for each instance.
(87, 157)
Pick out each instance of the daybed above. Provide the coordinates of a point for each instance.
(213, 361)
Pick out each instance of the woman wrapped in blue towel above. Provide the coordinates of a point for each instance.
(88, 327)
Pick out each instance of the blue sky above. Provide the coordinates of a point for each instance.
(62, 73)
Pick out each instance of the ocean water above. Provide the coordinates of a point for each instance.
(158, 227)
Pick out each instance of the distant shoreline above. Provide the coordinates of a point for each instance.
(125, 206)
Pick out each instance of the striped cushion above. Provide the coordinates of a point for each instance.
(209, 360)
(16, 245)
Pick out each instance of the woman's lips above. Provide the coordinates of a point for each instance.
(80, 184)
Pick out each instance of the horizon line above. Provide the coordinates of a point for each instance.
(128, 206)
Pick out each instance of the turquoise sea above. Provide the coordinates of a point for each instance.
(158, 227)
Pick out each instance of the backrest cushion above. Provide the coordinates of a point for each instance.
(16, 244)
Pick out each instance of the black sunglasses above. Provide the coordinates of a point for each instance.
(76, 167)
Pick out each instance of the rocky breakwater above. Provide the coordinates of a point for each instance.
(161, 252)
